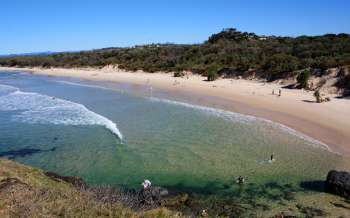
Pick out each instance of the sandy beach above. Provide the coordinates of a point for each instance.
(327, 122)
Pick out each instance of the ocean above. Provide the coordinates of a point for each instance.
(120, 134)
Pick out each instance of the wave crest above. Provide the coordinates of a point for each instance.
(37, 108)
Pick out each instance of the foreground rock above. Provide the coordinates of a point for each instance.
(338, 182)
(29, 192)
(152, 195)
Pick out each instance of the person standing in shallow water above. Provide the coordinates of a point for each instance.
(272, 158)
(240, 180)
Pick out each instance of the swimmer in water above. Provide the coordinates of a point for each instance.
(272, 158)
(240, 180)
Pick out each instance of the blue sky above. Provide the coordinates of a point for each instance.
(62, 25)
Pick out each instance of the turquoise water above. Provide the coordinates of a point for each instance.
(109, 133)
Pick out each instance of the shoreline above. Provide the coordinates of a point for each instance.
(327, 122)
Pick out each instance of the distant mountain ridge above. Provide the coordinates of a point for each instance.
(29, 54)
(43, 53)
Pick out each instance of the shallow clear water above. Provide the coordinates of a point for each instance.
(75, 127)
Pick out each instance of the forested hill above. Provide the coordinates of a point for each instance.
(229, 51)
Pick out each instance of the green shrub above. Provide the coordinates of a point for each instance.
(317, 96)
(303, 78)
(212, 73)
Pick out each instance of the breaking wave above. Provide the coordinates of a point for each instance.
(33, 107)
(82, 85)
(246, 119)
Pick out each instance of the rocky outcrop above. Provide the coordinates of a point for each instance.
(152, 195)
(338, 182)
(28, 192)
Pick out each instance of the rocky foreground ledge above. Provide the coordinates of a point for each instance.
(30, 192)
(338, 182)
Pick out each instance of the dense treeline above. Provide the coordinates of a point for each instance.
(230, 52)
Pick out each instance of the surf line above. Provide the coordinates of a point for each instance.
(246, 119)
(32, 107)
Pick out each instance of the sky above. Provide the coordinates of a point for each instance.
(72, 25)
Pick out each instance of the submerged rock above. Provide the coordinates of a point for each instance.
(338, 182)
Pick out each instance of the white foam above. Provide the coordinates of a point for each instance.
(246, 119)
(5, 89)
(37, 108)
(83, 85)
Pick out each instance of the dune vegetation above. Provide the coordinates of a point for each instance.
(270, 57)
(229, 53)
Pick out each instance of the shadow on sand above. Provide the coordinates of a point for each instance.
(309, 101)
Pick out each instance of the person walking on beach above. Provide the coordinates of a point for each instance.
(279, 92)
(273, 91)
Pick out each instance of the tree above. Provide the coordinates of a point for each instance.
(303, 79)
(269, 57)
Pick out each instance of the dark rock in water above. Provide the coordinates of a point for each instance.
(75, 181)
(338, 183)
(23, 152)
